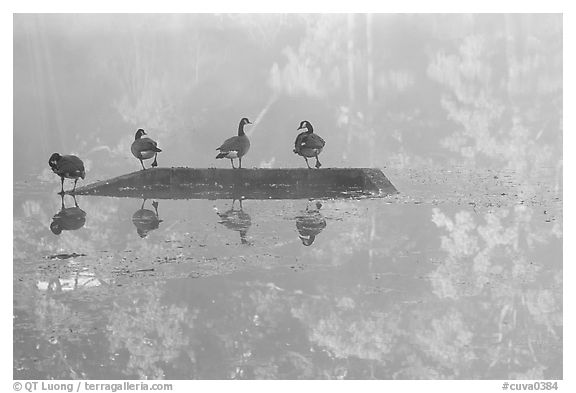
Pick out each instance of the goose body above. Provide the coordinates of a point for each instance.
(144, 148)
(308, 144)
(310, 224)
(68, 218)
(237, 146)
(69, 167)
(146, 220)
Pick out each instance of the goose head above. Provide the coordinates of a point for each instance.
(305, 125)
(55, 228)
(53, 161)
(307, 240)
(243, 122)
(139, 133)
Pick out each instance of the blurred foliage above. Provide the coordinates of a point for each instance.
(489, 81)
(149, 331)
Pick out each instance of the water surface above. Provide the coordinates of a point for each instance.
(458, 276)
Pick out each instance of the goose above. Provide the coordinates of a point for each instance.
(68, 218)
(308, 144)
(236, 220)
(144, 148)
(310, 224)
(146, 220)
(237, 146)
(69, 167)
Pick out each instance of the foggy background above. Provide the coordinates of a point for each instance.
(382, 89)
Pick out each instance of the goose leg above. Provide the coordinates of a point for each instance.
(141, 163)
(240, 159)
(75, 203)
(155, 163)
(232, 162)
(155, 205)
(318, 165)
(62, 200)
(74, 189)
(62, 185)
(308, 165)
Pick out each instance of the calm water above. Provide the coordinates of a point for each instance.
(459, 276)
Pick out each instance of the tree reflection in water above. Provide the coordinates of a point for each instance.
(151, 333)
(401, 290)
(494, 262)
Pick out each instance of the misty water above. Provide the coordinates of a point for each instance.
(458, 276)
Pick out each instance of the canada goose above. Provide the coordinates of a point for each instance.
(146, 220)
(70, 167)
(237, 146)
(308, 144)
(236, 220)
(144, 148)
(310, 224)
(68, 218)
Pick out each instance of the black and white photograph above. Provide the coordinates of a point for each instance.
(287, 196)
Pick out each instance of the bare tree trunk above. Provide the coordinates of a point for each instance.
(46, 91)
(351, 58)
(38, 82)
(510, 55)
(197, 65)
(370, 61)
(370, 89)
(351, 94)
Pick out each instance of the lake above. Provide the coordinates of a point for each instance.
(459, 276)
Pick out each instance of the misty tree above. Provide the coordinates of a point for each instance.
(490, 84)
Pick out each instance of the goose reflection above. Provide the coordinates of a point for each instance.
(310, 223)
(236, 220)
(146, 220)
(68, 218)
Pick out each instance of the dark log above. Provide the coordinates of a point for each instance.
(214, 183)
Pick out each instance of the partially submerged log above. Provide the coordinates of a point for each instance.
(257, 183)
